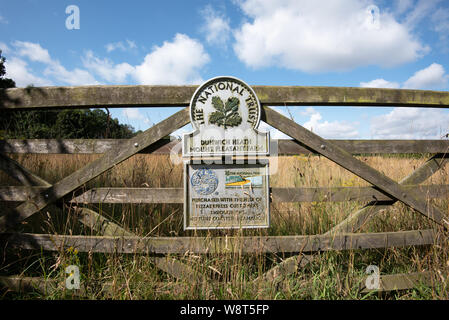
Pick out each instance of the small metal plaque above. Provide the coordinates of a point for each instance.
(219, 196)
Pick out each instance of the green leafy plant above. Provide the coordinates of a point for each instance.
(227, 115)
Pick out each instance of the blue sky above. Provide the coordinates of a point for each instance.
(392, 44)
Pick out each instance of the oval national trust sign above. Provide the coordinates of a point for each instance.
(225, 114)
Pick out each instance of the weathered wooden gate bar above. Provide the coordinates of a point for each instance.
(175, 195)
(391, 282)
(105, 227)
(94, 220)
(165, 146)
(320, 194)
(19, 173)
(357, 219)
(217, 245)
(149, 96)
(344, 159)
(95, 168)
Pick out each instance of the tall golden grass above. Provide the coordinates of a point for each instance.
(332, 275)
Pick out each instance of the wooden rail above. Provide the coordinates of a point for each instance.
(53, 286)
(175, 195)
(157, 96)
(402, 281)
(165, 146)
(217, 245)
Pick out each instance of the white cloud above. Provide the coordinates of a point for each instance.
(120, 46)
(380, 83)
(3, 20)
(132, 113)
(20, 72)
(421, 10)
(17, 70)
(176, 62)
(106, 69)
(32, 51)
(75, 77)
(338, 35)
(410, 123)
(135, 114)
(131, 44)
(432, 77)
(216, 27)
(326, 129)
(433, 13)
(5, 49)
(440, 19)
(113, 46)
(402, 5)
(275, 133)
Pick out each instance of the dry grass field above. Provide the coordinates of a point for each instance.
(331, 275)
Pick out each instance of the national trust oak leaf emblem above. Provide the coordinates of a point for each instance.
(227, 115)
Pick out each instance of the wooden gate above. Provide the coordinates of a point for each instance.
(36, 193)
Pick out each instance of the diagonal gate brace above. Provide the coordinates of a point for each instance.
(96, 221)
(356, 219)
(347, 161)
(94, 169)
(19, 173)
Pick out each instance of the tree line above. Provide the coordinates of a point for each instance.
(58, 124)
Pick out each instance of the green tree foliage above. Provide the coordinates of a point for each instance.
(4, 82)
(63, 124)
(58, 124)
